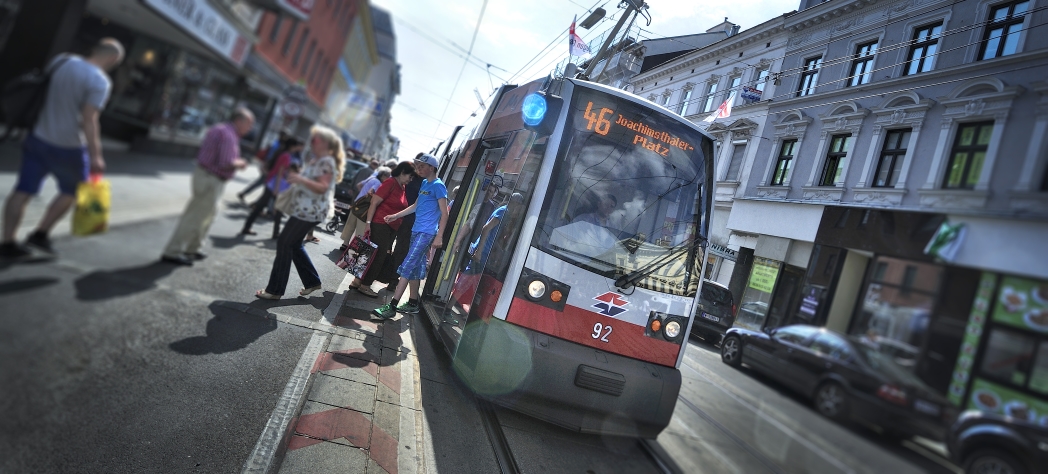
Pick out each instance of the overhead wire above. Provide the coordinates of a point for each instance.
(482, 65)
(472, 41)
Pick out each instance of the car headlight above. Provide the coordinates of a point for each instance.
(536, 289)
(672, 329)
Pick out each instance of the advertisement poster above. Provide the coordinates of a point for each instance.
(972, 333)
(993, 398)
(763, 276)
(1023, 303)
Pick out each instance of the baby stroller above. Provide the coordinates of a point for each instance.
(343, 204)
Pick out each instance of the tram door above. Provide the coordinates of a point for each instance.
(487, 231)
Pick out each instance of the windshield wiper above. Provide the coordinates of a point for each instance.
(631, 278)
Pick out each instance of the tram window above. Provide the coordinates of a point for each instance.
(619, 198)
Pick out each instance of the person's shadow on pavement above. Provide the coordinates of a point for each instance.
(105, 284)
(230, 330)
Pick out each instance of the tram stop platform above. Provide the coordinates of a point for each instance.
(362, 409)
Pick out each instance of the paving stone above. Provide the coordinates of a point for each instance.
(324, 457)
(384, 433)
(342, 393)
(337, 425)
(366, 342)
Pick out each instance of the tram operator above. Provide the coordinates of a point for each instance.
(608, 203)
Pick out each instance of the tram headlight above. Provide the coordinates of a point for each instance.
(672, 329)
(536, 289)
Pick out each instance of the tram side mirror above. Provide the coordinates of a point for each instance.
(540, 112)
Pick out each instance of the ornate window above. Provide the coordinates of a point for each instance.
(892, 155)
(1001, 37)
(783, 163)
(738, 155)
(862, 65)
(711, 94)
(833, 166)
(968, 155)
(686, 100)
(924, 48)
(809, 76)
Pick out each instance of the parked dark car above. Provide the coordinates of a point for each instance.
(716, 312)
(845, 377)
(345, 190)
(990, 443)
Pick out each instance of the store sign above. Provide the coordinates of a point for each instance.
(723, 252)
(762, 277)
(200, 20)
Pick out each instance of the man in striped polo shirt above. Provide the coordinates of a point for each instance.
(218, 159)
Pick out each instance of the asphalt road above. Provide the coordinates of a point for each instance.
(113, 362)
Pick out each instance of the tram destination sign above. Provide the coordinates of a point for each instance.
(601, 120)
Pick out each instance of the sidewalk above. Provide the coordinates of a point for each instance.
(362, 409)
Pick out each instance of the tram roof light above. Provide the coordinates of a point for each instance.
(540, 111)
(534, 109)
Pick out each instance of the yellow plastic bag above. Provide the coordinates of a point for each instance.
(92, 207)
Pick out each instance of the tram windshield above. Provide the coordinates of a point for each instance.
(628, 188)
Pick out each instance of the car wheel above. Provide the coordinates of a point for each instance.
(832, 401)
(731, 351)
(993, 461)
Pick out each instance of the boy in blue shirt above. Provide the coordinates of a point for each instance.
(431, 214)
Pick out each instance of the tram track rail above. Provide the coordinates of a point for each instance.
(499, 444)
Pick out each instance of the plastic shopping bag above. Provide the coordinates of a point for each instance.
(92, 206)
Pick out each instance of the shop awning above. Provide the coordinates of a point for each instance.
(1004, 245)
(194, 25)
(780, 219)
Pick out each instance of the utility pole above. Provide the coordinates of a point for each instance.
(630, 9)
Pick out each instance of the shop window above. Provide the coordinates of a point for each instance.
(289, 39)
(275, 32)
(897, 306)
(1002, 31)
(922, 51)
(834, 164)
(684, 103)
(892, 154)
(1008, 357)
(809, 76)
(756, 297)
(782, 165)
(738, 154)
(711, 92)
(862, 65)
(968, 155)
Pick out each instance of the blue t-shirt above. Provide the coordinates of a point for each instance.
(427, 211)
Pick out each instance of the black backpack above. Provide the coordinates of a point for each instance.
(23, 97)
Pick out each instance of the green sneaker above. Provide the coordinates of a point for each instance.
(385, 311)
(408, 308)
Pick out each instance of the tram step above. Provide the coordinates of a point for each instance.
(600, 380)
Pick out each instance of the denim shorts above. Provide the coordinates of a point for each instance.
(69, 165)
(414, 266)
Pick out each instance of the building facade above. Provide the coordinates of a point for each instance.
(694, 85)
(899, 191)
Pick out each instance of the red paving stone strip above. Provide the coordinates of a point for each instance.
(384, 450)
(334, 424)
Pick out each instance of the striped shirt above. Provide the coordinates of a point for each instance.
(220, 147)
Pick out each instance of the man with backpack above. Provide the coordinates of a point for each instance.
(65, 142)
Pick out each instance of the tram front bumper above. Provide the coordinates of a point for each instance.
(593, 391)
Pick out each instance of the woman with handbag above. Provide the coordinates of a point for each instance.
(275, 184)
(311, 202)
(387, 199)
(355, 220)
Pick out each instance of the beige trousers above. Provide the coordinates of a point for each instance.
(353, 227)
(199, 214)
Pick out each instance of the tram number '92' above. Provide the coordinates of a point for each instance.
(600, 328)
(597, 122)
